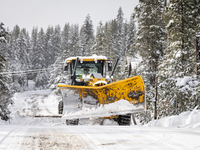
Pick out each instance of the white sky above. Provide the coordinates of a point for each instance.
(42, 13)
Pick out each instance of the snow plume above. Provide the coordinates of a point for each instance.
(188, 119)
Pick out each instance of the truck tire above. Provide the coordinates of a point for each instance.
(72, 121)
(124, 120)
(60, 107)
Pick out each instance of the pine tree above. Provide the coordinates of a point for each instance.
(56, 42)
(49, 50)
(39, 52)
(114, 48)
(108, 41)
(150, 42)
(98, 43)
(75, 48)
(42, 79)
(66, 42)
(22, 47)
(34, 39)
(120, 34)
(87, 36)
(40, 61)
(5, 92)
(125, 39)
(3, 33)
(182, 18)
(69, 38)
(131, 37)
(14, 36)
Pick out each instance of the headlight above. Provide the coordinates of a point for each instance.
(79, 80)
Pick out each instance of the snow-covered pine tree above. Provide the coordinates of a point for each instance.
(121, 44)
(3, 33)
(131, 37)
(22, 47)
(87, 36)
(18, 47)
(39, 57)
(14, 36)
(65, 50)
(98, 42)
(56, 42)
(108, 41)
(10, 54)
(125, 39)
(70, 47)
(42, 79)
(182, 18)
(49, 49)
(120, 34)
(75, 48)
(150, 42)
(123, 64)
(34, 36)
(5, 92)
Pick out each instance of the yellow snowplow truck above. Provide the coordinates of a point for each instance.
(94, 93)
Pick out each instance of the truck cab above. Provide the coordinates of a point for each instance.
(85, 71)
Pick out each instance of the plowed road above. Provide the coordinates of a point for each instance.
(13, 137)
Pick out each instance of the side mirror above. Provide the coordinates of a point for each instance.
(66, 67)
(109, 65)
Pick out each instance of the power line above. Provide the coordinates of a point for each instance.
(28, 71)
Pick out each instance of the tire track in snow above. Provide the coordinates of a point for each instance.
(87, 141)
(13, 139)
(49, 138)
(7, 135)
(101, 139)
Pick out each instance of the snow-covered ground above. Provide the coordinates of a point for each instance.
(26, 131)
(189, 119)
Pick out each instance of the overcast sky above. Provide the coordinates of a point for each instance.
(42, 13)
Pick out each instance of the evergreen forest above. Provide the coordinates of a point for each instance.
(160, 42)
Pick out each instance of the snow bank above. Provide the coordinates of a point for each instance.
(188, 119)
(2, 122)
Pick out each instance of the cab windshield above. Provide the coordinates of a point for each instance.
(89, 67)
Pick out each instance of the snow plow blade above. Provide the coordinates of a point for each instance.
(121, 97)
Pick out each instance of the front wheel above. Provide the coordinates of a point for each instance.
(124, 120)
(72, 122)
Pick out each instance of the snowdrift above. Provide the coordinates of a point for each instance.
(188, 119)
